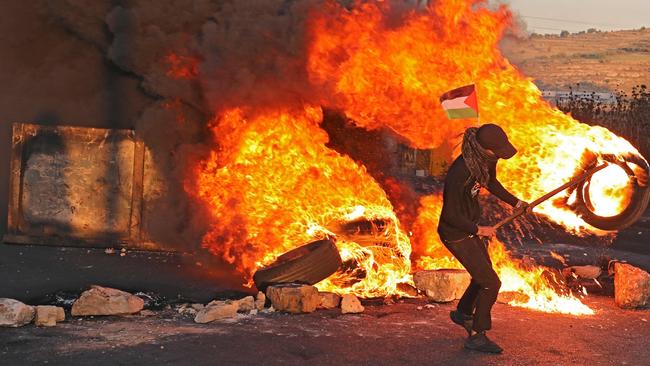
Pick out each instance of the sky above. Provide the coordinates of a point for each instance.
(553, 16)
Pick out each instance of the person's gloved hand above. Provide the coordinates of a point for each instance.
(523, 206)
(486, 231)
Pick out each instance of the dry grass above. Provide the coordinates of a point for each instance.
(606, 60)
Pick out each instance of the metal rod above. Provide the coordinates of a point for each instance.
(573, 182)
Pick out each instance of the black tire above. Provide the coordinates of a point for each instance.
(638, 201)
(308, 264)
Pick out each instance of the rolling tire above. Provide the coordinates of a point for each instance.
(308, 264)
(637, 206)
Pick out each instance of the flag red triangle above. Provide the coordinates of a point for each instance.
(471, 101)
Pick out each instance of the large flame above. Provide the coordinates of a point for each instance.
(273, 184)
(387, 75)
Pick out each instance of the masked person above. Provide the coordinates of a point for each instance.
(458, 227)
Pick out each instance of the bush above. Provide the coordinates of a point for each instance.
(629, 116)
(564, 33)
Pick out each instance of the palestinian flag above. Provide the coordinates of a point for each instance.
(460, 102)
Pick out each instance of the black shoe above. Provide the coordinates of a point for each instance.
(480, 342)
(463, 320)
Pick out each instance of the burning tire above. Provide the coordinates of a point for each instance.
(308, 264)
(638, 201)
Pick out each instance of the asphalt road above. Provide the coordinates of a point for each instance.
(407, 333)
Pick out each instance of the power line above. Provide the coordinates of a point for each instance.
(573, 21)
(546, 28)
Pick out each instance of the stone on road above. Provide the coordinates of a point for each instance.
(14, 313)
(106, 301)
(442, 285)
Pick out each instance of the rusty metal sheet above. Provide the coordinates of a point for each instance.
(75, 186)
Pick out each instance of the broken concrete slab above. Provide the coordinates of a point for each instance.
(48, 316)
(106, 301)
(350, 304)
(329, 300)
(217, 310)
(442, 285)
(631, 286)
(293, 298)
(14, 313)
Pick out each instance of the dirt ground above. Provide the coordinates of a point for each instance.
(409, 333)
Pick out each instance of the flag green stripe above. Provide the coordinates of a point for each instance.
(461, 113)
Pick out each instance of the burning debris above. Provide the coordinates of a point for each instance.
(272, 184)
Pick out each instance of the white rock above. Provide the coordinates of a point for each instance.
(106, 301)
(442, 285)
(217, 310)
(48, 316)
(14, 313)
(293, 298)
(329, 300)
(350, 304)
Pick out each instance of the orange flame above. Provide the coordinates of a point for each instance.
(385, 75)
(273, 184)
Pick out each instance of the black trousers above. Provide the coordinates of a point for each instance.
(482, 292)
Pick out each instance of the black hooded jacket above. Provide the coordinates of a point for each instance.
(460, 207)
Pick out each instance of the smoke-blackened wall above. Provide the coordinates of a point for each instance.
(103, 64)
(162, 67)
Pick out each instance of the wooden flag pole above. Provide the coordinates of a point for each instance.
(572, 183)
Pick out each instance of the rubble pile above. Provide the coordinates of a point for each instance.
(632, 291)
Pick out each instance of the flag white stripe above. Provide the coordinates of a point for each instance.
(456, 103)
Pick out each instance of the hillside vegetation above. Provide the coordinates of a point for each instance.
(597, 60)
